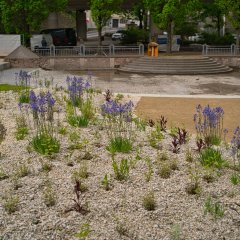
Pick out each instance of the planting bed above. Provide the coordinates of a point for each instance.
(43, 186)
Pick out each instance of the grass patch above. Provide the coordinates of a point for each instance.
(8, 87)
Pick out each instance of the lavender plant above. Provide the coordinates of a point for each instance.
(235, 147)
(23, 79)
(80, 109)
(41, 106)
(209, 124)
(118, 122)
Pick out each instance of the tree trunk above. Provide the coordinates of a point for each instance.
(100, 36)
(169, 35)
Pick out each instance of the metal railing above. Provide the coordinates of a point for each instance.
(83, 50)
(232, 50)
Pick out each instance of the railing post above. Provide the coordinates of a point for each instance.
(141, 49)
(204, 49)
(233, 49)
(52, 50)
(82, 49)
(112, 49)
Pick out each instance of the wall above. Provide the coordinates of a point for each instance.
(72, 63)
(228, 61)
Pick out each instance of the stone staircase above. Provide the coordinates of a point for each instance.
(175, 65)
(4, 65)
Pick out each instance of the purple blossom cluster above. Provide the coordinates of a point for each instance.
(208, 119)
(23, 78)
(117, 109)
(76, 86)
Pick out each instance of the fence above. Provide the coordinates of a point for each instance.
(232, 50)
(83, 50)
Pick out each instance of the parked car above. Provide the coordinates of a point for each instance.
(196, 37)
(118, 35)
(62, 36)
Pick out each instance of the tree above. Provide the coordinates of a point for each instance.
(232, 10)
(22, 16)
(166, 14)
(101, 12)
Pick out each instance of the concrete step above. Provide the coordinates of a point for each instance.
(4, 65)
(172, 65)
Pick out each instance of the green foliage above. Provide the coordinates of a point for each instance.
(87, 108)
(20, 16)
(175, 232)
(49, 196)
(84, 231)
(215, 209)
(24, 97)
(22, 127)
(194, 186)
(149, 202)
(46, 166)
(135, 35)
(119, 144)
(3, 132)
(189, 156)
(7, 87)
(210, 157)
(140, 123)
(82, 172)
(121, 171)
(77, 121)
(155, 137)
(164, 170)
(11, 204)
(148, 174)
(235, 179)
(62, 130)
(3, 175)
(214, 39)
(45, 144)
(22, 170)
(106, 183)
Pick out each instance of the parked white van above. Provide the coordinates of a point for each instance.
(41, 41)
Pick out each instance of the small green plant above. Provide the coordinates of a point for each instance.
(148, 174)
(122, 228)
(3, 175)
(78, 120)
(106, 183)
(82, 172)
(22, 128)
(49, 196)
(209, 175)
(62, 130)
(189, 156)
(11, 203)
(175, 232)
(121, 171)
(3, 132)
(16, 181)
(119, 144)
(84, 231)
(235, 179)
(173, 164)
(210, 157)
(162, 156)
(45, 144)
(22, 170)
(155, 137)
(164, 170)
(140, 123)
(87, 108)
(46, 166)
(215, 209)
(194, 186)
(149, 202)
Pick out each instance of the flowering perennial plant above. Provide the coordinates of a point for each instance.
(209, 124)
(118, 118)
(23, 79)
(235, 144)
(41, 107)
(76, 87)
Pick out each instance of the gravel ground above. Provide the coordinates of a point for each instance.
(118, 213)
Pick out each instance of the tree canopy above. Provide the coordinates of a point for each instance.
(21, 16)
(101, 12)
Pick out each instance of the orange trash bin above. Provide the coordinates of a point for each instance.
(153, 49)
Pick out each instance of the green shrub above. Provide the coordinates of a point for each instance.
(22, 170)
(121, 171)
(22, 128)
(11, 204)
(235, 179)
(45, 144)
(149, 202)
(3, 175)
(119, 144)
(215, 209)
(106, 183)
(210, 157)
(164, 170)
(77, 121)
(135, 35)
(49, 196)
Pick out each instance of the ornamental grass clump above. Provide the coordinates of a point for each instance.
(80, 109)
(23, 80)
(119, 125)
(44, 141)
(209, 124)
